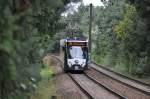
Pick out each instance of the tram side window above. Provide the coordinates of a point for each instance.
(76, 52)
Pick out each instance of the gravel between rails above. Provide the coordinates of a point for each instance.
(96, 91)
(143, 87)
(117, 86)
(67, 89)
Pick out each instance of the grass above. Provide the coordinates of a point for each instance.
(46, 73)
(46, 87)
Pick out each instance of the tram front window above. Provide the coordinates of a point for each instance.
(76, 52)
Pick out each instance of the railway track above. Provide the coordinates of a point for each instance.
(119, 83)
(123, 76)
(101, 83)
(92, 88)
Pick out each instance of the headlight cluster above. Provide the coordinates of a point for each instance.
(83, 64)
(70, 64)
(77, 62)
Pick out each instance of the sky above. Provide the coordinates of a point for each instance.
(94, 2)
(74, 6)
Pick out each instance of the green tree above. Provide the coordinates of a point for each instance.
(26, 27)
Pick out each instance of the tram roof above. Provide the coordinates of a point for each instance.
(76, 40)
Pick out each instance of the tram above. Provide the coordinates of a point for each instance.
(75, 54)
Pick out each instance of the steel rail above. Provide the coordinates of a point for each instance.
(81, 88)
(100, 85)
(143, 91)
(106, 87)
(119, 74)
(122, 75)
(96, 82)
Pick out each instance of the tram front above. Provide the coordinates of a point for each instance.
(76, 55)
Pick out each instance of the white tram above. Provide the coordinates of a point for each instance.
(75, 54)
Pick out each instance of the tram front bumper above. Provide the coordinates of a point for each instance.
(77, 67)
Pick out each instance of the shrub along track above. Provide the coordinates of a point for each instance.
(91, 88)
(119, 83)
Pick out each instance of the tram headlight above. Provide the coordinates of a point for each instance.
(70, 64)
(83, 64)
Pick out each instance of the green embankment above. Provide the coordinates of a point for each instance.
(46, 87)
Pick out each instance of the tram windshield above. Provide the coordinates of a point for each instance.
(76, 52)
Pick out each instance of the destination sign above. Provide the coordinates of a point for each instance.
(76, 43)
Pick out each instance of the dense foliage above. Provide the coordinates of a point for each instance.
(143, 9)
(26, 27)
(30, 28)
(120, 34)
